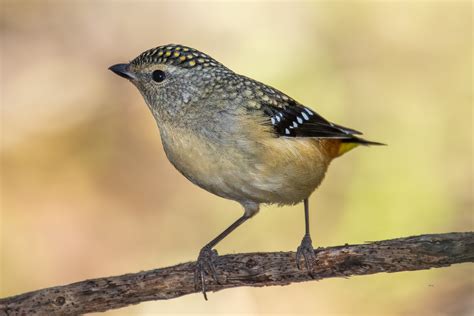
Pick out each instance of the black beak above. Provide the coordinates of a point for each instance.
(122, 71)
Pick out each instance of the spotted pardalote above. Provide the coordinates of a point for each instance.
(236, 137)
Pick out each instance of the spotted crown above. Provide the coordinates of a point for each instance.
(178, 55)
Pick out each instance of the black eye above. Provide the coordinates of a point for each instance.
(158, 75)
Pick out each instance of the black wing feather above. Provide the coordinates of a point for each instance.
(294, 120)
(291, 119)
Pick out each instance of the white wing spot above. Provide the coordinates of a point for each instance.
(295, 124)
(278, 118)
(309, 112)
(305, 116)
(287, 131)
(273, 121)
(300, 120)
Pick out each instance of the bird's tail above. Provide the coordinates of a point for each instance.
(353, 142)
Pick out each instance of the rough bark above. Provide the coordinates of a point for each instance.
(246, 269)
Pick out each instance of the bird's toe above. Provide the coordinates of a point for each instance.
(205, 266)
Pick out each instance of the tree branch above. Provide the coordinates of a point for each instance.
(246, 269)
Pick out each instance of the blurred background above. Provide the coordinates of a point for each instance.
(88, 192)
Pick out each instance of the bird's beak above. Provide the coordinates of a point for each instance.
(122, 71)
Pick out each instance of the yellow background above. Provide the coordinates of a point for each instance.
(88, 192)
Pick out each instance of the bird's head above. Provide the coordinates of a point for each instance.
(172, 77)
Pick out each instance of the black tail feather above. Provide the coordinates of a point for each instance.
(361, 141)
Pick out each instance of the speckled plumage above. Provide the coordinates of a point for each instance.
(234, 136)
(228, 133)
(285, 114)
(178, 55)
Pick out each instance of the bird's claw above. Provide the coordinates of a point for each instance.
(306, 252)
(205, 265)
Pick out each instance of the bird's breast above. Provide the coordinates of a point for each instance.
(258, 168)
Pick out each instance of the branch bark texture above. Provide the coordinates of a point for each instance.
(246, 269)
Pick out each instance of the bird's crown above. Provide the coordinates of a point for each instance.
(177, 55)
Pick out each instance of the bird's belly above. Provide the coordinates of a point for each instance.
(288, 170)
(277, 170)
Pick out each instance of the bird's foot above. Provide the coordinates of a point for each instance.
(205, 265)
(306, 252)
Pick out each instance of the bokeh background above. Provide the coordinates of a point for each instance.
(88, 192)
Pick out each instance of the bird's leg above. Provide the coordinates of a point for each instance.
(305, 250)
(207, 256)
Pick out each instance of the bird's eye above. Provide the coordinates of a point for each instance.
(158, 75)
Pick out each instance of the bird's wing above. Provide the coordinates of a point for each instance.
(292, 119)
(289, 118)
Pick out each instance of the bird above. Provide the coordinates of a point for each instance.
(237, 138)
